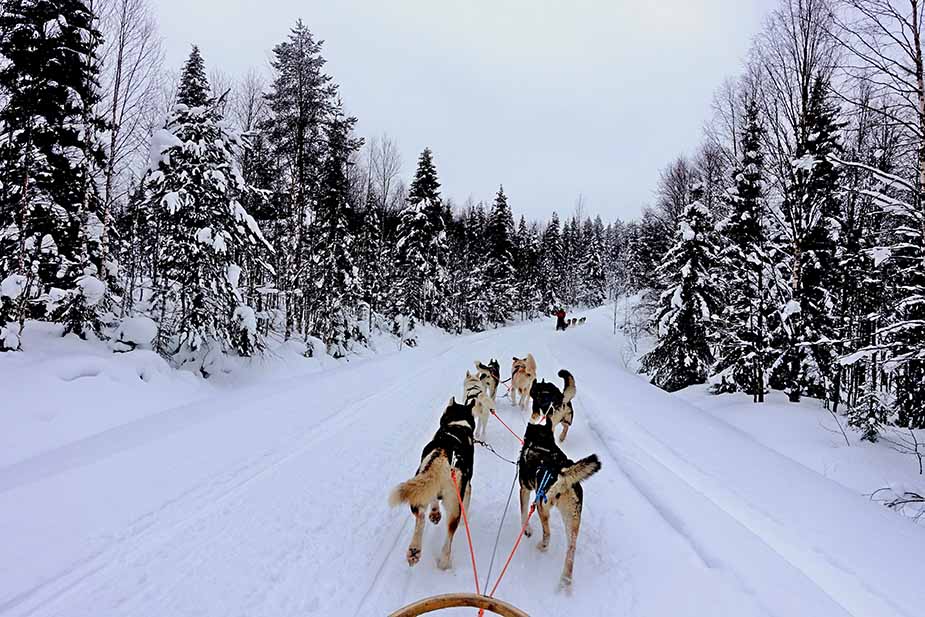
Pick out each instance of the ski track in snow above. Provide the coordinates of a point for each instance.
(271, 500)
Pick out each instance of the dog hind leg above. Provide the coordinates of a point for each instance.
(564, 432)
(571, 519)
(414, 549)
(524, 510)
(453, 515)
(543, 511)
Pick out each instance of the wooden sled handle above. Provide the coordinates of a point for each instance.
(455, 600)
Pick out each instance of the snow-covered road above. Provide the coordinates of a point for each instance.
(270, 500)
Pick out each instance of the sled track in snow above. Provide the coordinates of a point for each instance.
(197, 503)
(828, 577)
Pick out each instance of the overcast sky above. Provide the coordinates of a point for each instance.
(550, 98)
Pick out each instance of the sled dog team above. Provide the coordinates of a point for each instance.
(446, 462)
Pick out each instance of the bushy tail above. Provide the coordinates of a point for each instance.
(568, 393)
(424, 487)
(531, 364)
(573, 474)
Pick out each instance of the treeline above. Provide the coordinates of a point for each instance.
(200, 214)
(796, 258)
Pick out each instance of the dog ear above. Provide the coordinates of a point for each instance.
(468, 375)
(451, 402)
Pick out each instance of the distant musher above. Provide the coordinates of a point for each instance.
(560, 320)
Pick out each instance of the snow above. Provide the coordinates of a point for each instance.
(234, 275)
(137, 330)
(12, 286)
(791, 308)
(805, 163)
(161, 141)
(92, 288)
(264, 493)
(880, 254)
(687, 232)
(247, 318)
(49, 245)
(173, 201)
(204, 235)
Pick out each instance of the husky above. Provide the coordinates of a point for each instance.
(523, 374)
(581, 320)
(451, 449)
(477, 394)
(549, 400)
(493, 373)
(542, 460)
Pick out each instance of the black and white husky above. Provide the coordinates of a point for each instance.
(450, 451)
(492, 373)
(557, 404)
(477, 388)
(543, 464)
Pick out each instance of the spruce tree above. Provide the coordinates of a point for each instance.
(500, 275)
(688, 306)
(591, 273)
(742, 354)
(193, 194)
(551, 270)
(48, 159)
(337, 286)
(421, 244)
(810, 208)
(301, 102)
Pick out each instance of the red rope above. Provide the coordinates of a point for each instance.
(513, 550)
(516, 436)
(462, 508)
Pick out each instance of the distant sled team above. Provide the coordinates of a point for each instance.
(444, 474)
(562, 323)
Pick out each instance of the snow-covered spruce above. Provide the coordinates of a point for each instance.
(743, 347)
(685, 319)
(49, 157)
(422, 251)
(193, 193)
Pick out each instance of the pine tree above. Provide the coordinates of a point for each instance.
(687, 308)
(742, 354)
(500, 275)
(48, 157)
(422, 247)
(193, 191)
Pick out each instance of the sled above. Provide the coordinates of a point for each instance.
(457, 600)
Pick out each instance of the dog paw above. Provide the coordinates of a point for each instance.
(528, 531)
(543, 545)
(565, 585)
(414, 556)
(435, 516)
(444, 562)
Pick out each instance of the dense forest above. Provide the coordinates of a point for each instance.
(207, 213)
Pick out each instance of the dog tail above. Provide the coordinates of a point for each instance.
(424, 487)
(568, 393)
(531, 363)
(573, 474)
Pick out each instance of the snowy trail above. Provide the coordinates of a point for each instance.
(271, 501)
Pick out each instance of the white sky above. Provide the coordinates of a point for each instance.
(552, 98)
